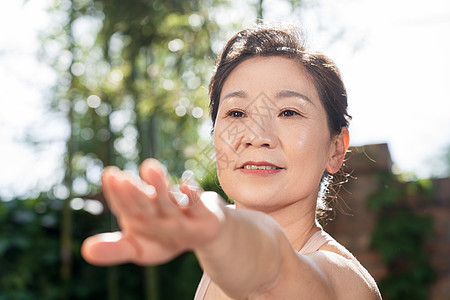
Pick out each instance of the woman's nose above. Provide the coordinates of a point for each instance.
(260, 136)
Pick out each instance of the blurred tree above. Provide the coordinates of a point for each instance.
(132, 79)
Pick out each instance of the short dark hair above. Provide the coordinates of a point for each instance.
(287, 40)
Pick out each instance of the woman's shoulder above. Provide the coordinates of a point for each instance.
(327, 272)
(350, 280)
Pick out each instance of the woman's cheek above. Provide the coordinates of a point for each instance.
(225, 158)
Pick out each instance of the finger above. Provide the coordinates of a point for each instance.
(204, 203)
(111, 189)
(155, 165)
(127, 195)
(141, 196)
(190, 194)
(174, 193)
(155, 174)
(192, 191)
(214, 203)
(178, 197)
(108, 249)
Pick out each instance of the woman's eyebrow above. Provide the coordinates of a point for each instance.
(238, 94)
(289, 93)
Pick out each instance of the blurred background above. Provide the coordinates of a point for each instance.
(90, 83)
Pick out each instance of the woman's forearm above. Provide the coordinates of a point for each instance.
(246, 255)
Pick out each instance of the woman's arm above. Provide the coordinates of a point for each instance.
(246, 253)
(252, 258)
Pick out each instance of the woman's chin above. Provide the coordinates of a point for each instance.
(258, 199)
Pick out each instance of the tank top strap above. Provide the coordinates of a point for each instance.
(317, 240)
(202, 287)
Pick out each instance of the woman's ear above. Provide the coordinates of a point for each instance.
(339, 147)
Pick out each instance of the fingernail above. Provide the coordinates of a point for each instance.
(112, 170)
(188, 178)
(147, 189)
(187, 175)
(180, 198)
(164, 169)
(110, 237)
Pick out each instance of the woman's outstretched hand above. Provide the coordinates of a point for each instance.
(155, 227)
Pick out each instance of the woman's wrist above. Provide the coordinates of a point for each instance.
(213, 246)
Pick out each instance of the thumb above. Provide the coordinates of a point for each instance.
(108, 249)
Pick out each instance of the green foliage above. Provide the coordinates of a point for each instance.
(31, 264)
(28, 243)
(402, 234)
(132, 79)
(399, 237)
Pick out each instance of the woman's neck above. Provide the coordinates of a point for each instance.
(298, 221)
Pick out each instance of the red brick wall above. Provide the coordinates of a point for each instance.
(353, 226)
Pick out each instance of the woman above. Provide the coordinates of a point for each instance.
(280, 127)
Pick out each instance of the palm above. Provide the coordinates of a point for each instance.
(154, 228)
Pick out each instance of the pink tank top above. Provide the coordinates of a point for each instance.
(317, 240)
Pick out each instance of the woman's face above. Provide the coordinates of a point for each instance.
(271, 135)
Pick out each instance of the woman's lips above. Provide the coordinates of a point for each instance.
(255, 167)
(262, 168)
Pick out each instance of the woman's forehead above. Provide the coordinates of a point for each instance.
(275, 76)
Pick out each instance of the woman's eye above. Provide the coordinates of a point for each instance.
(288, 113)
(235, 114)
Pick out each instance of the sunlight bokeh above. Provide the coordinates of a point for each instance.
(392, 55)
